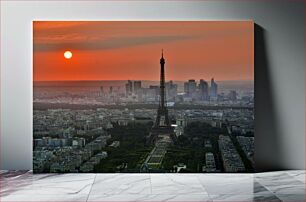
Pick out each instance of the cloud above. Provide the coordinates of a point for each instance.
(105, 44)
(102, 35)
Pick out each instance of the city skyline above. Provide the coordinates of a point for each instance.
(112, 50)
(137, 126)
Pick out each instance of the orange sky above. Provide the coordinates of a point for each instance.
(113, 50)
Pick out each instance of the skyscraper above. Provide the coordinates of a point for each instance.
(129, 87)
(137, 86)
(171, 90)
(203, 88)
(186, 88)
(213, 89)
(190, 87)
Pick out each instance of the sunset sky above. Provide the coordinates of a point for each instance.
(113, 50)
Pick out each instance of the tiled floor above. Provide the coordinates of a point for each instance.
(271, 186)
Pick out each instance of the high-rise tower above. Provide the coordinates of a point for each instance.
(213, 89)
(162, 133)
(162, 118)
(162, 125)
(162, 81)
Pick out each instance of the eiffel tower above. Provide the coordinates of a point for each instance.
(162, 124)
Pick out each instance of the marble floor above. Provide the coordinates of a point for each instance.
(23, 186)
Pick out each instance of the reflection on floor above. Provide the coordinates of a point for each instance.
(271, 186)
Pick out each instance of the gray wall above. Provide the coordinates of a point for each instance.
(279, 68)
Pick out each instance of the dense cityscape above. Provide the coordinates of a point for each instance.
(91, 128)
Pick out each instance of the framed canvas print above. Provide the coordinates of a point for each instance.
(143, 96)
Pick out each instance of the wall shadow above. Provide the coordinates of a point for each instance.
(267, 135)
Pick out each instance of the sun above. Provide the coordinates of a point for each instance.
(67, 54)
